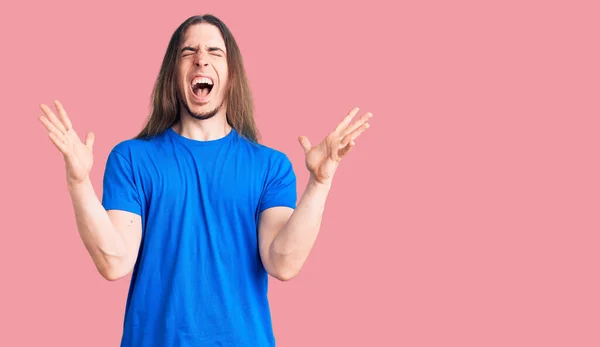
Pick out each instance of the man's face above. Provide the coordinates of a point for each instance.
(202, 72)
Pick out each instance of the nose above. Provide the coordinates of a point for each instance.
(201, 59)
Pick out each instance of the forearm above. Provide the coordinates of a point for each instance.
(292, 245)
(104, 243)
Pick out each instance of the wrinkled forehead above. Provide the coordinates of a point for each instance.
(203, 35)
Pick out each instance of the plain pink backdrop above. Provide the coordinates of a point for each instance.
(468, 215)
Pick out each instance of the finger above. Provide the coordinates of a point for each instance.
(62, 114)
(353, 135)
(58, 143)
(52, 128)
(362, 120)
(89, 140)
(346, 149)
(52, 117)
(344, 123)
(305, 143)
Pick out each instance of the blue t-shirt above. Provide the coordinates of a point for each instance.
(198, 279)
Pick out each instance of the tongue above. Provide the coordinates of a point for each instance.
(203, 92)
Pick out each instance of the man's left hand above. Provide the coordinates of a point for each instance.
(323, 159)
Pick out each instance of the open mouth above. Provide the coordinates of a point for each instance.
(202, 86)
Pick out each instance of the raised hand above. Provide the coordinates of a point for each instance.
(78, 156)
(323, 159)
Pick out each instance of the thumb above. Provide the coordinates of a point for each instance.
(89, 140)
(304, 143)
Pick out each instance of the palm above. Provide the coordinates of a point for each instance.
(77, 155)
(323, 159)
(79, 158)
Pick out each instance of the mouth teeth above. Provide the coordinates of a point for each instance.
(202, 82)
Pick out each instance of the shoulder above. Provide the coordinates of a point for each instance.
(263, 153)
(132, 148)
(133, 155)
(270, 163)
(271, 156)
(272, 153)
(276, 163)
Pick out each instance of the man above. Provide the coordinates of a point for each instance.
(194, 205)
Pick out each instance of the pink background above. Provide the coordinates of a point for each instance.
(468, 215)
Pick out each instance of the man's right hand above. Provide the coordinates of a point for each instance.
(78, 156)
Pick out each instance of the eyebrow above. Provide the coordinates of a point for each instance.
(210, 49)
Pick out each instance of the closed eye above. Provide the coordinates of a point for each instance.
(188, 51)
(216, 51)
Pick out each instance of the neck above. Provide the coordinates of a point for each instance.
(210, 129)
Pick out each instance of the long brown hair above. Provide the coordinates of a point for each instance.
(165, 105)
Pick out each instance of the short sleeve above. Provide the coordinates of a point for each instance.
(280, 187)
(119, 191)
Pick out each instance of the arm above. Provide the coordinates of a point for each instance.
(286, 236)
(112, 238)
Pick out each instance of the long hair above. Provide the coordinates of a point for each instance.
(165, 104)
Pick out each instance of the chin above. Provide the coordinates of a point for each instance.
(203, 111)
